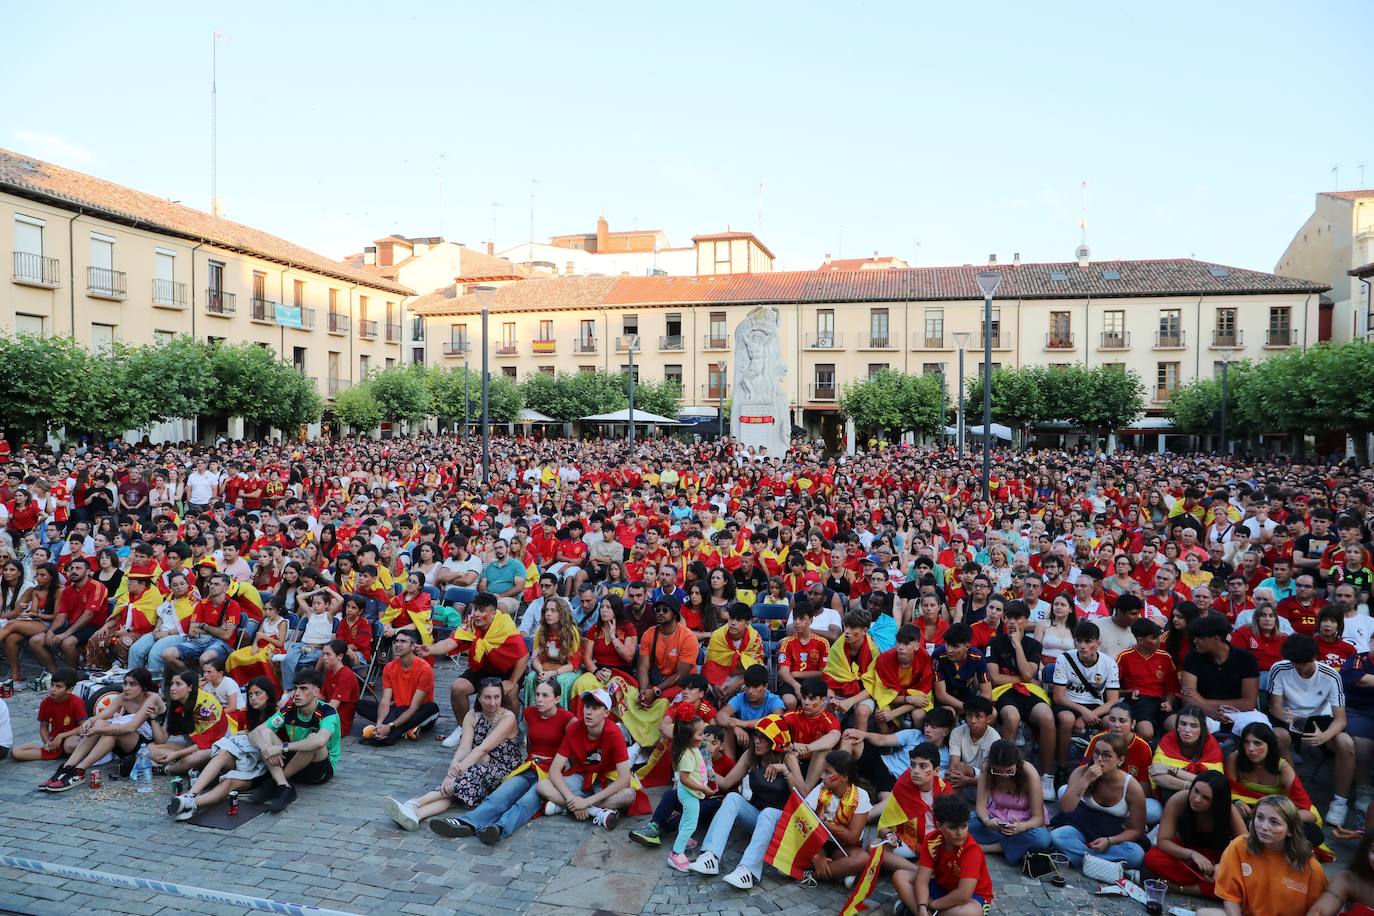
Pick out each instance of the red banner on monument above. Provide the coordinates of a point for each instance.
(755, 419)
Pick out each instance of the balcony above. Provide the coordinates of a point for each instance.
(545, 347)
(104, 283)
(1228, 339)
(1170, 340)
(507, 348)
(367, 330)
(672, 343)
(1114, 340)
(584, 345)
(825, 340)
(337, 386)
(1055, 341)
(716, 392)
(711, 342)
(218, 302)
(307, 318)
(1278, 337)
(169, 294)
(923, 341)
(417, 330)
(393, 332)
(339, 323)
(263, 311)
(876, 342)
(1163, 392)
(457, 346)
(1000, 341)
(36, 270)
(821, 391)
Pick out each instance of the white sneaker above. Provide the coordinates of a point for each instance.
(1047, 787)
(455, 737)
(741, 878)
(606, 818)
(401, 812)
(553, 808)
(1336, 814)
(186, 807)
(279, 657)
(706, 864)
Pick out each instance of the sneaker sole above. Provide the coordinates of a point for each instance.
(451, 831)
(676, 867)
(397, 812)
(610, 821)
(66, 787)
(650, 842)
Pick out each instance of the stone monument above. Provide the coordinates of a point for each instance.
(760, 413)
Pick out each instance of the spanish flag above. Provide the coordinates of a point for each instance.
(248, 597)
(889, 674)
(499, 647)
(1251, 793)
(723, 657)
(1028, 689)
(251, 661)
(848, 677)
(863, 885)
(905, 810)
(414, 611)
(797, 838)
(1170, 754)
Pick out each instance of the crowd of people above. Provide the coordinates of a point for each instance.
(1116, 662)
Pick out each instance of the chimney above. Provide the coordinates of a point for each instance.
(602, 231)
(827, 257)
(1016, 259)
(1082, 255)
(384, 254)
(491, 247)
(992, 259)
(875, 254)
(370, 255)
(217, 207)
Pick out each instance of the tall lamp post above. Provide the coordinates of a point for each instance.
(483, 294)
(1225, 365)
(632, 344)
(720, 411)
(960, 341)
(467, 387)
(988, 281)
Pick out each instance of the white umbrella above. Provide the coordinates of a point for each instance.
(623, 416)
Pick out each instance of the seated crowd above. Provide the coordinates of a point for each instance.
(1118, 662)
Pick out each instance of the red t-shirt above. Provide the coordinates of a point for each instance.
(63, 715)
(341, 692)
(1138, 758)
(405, 683)
(1155, 676)
(1302, 617)
(1266, 650)
(1334, 653)
(207, 613)
(545, 736)
(952, 865)
(357, 634)
(799, 657)
(806, 729)
(91, 596)
(589, 756)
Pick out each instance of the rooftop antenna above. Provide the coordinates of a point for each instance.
(1083, 250)
(915, 251)
(533, 182)
(442, 207)
(1336, 177)
(1361, 174)
(760, 220)
(215, 39)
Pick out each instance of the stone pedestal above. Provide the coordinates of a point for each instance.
(760, 413)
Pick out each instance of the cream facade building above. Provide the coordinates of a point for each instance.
(1336, 240)
(1168, 320)
(100, 263)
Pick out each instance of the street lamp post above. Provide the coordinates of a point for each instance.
(944, 440)
(632, 345)
(988, 281)
(960, 341)
(720, 411)
(467, 392)
(483, 294)
(1225, 365)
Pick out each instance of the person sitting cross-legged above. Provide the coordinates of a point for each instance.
(237, 764)
(300, 745)
(407, 704)
(593, 753)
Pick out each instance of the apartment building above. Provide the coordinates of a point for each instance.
(1168, 320)
(101, 262)
(1332, 246)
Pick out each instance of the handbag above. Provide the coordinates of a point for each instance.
(1037, 865)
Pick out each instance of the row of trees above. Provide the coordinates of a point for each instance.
(1297, 392)
(1092, 399)
(51, 383)
(571, 396)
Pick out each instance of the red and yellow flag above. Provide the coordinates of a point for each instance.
(863, 885)
(502, 643)
(797, 838)
(848, 676)
(722, 658)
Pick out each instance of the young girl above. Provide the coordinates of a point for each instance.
(693, 782)
(1257, 770)
(557, 650)
(1184, 753)
(194, 721)
(225, 689)
(1271, 870)
(1010, 810)
(237, 763)
(120, 727)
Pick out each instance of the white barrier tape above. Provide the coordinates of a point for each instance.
(164, 887)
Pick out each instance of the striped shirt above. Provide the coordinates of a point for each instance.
(1307, 696)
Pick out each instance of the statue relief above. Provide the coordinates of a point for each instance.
(760, 414)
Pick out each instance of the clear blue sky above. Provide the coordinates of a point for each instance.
(1202, 128)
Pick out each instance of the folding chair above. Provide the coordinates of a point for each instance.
(459, 595)
(432, 592)
(367, 685)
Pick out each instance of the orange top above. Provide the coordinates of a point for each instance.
(1264, 884)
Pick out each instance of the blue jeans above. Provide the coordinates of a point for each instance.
(1013, 847)
(298, 655)
(509, 806)
(691, 808)
(736, 810)
(1073, 844)
(193, 647)
(147, 652)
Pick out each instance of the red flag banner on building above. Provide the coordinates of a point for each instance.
(863, 885)
(797, 838)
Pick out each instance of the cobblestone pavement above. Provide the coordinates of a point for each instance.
(335, 848)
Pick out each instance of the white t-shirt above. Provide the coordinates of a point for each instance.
(228, 688)
(823, 621)
(7, 732)
(973, 753)
(470, 565)
(1307, 696)
(862, 807)
(1357, 631)
(1103, 676)
(200, 487)
(319, 629)
(1114, 639)
(1040, 612)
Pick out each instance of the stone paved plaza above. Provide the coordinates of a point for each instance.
(334, 848)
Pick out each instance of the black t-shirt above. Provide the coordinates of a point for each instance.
(1312, 548)
(1221, 682)
(755, 580)
(1001, 653)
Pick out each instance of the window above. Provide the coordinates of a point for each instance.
(878, 328)
(1170, 328)
(333, 364)
(673, 373)
(1114, 328)
(362, 308)
(390, 361)
(1061, 330)
(28, 235)
(586, 370)
(458, 336)
(101, 278)
(164, 277)
(586, 333)
(417, 355)
(935, 328)
(825, 328)
(672, 325)
(933, 369)
(508, 334)
(548, 370)
(993, 330)
(824, 380)
(722, 257)
(102, 251)
(298, 358)
(508, 372)
(31, 325)
(391, 313)
(216, 277)
(298, 293)
(259, 285)
(334, 301)
(1166, 380)
(629, 325)
(364, 367)
(1280, 326)
(875, 368)
(214, 341)
(982, 369)
(546, 329)
(1225, 333)
(102, 338)
(718, 333)
(162, 338)
(625, 370)
(715, 383)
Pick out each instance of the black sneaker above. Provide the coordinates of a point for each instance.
(451, 827)
(490, 835)
(67, 781)
(284, 796)
(54, 780)
(263, 793)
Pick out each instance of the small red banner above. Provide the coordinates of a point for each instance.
(756, 419)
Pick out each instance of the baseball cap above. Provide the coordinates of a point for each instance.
(599, 696)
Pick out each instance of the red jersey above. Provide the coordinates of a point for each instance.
(1303, 617)
(357, 634)
(1266, 649)
(61, 715)
(1334, 653)
(341, 692)
(207, 612)
(806, 729)
(593, 756)
(543, 736)
(1138, 758)
(1155, 676)
(807, 657)
(950, 865)
(91, 596)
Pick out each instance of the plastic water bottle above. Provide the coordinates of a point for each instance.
(143, 771)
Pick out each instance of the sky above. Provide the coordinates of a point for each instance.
(938, 133)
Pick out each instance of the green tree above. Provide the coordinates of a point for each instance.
(250, 382)
(1338, 380)
(505, 396)
(297, 402)
(1019, 397)
(402, 392)
(1196, 407)
(504, 399)
(552, 395)
(173, 380)
(110, 406)
(357, 408)
(1107, 399)
(662, 397)
(893, 402)
(42, 381)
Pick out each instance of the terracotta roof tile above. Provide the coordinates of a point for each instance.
(1350, 195)
(40, 180)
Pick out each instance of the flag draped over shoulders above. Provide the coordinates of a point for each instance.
(500, 646)
(849, 676)
(722, 658)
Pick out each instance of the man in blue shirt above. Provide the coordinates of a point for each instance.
(960, 671)
(667, 585)
(504, 577)
(747, 707)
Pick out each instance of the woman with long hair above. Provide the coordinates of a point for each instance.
(1102, 812)
(1184, 752)
(32, 615)
(1196, 827)
(120, 727)
(609, 648)
(1010, 809)
(1271, 869)
(557, 650)
(194, 721)
(237, 764)
(1262, 638)
(1257, 770)
(1055, 633)
(1177, 643)
(1353, 889)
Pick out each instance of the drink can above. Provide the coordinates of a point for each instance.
(192, 776)
(233, 803)
(176, 785)
(94, 779)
